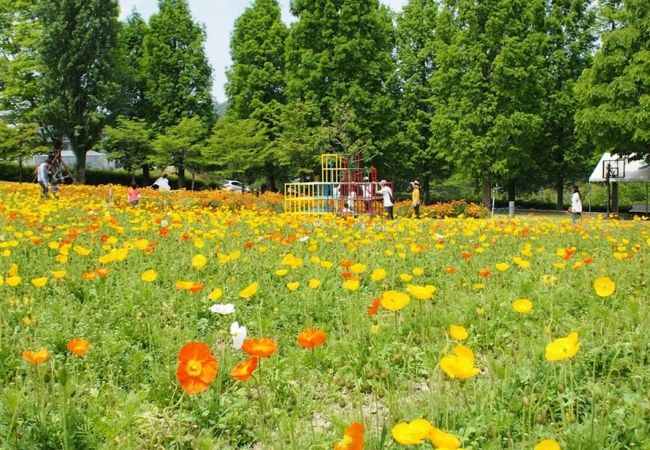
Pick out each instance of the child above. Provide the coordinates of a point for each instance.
(134, 195)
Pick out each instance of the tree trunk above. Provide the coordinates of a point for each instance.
(485, 200)
(512, 190)
(559, 190)
(80, 177)
(181, 176)
(146, 175)
(20, 170)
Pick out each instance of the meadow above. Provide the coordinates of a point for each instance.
(209, 321)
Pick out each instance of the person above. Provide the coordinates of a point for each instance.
(366, 193)
(134, 195)
(43, 177)
(162, 183)
(415, 197)
(576, 204)
(387, 194)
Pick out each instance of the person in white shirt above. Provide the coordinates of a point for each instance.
(366, 193)
(576, 204)
(43, 177)
(162, 183)
(387, 193)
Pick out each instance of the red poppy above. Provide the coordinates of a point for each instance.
(484, 273)
(353, 438)
(197, 367)
(374, 307)
(346, 275)
(261, 347)
(163, 232)
(78, 346)
(248, 245)
(245, 369)
(311, 338)
(196, 287)
(466, 255)
(185, 237)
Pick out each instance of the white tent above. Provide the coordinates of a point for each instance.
(629, 171)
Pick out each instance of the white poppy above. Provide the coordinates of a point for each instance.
(238, 335)
(223, 308)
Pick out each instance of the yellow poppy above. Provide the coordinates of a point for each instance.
(458, 332)
(351, 284)
(215, 294)
(394, 300)
(199, 261)
(378, 274)
(149, 276)
(314, 283)
(562, 348)
(39, 282)
(249, 290)
(293, 286)
(604, 286)
(522, 306)
(548, 444)
(460, 365)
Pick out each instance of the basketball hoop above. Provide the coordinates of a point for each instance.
(613, 169)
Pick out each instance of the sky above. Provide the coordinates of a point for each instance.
(218, 17)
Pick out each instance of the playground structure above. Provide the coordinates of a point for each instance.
(344, 188)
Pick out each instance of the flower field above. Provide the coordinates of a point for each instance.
(200, 322)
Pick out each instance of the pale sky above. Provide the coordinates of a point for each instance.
(219, 17)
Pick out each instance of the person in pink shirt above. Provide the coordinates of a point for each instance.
(134, 195)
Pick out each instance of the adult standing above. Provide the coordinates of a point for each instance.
(387, 194)
(415, 198)
(43, 177)
(576, 204)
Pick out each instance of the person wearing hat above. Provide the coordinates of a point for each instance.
(387, 194)
(415, 197)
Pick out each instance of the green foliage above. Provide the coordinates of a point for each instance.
(614, 92)
(177, 71)
(487, 94)
(181, 146)
(256, 80)
(339, 61)
(78, 54)
(129, 142)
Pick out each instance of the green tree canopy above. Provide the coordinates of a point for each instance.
(78, 54)
(615, 91)
(339, 59)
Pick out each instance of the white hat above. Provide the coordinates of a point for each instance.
(383, 182)
(365, 178)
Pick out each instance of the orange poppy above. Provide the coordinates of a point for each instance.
(450, 270)
(197, 367)
(311, 338)
(484, 273)
(248, 245)
(353, 438)
(36, 357)
(261, 347)
(89, 276)
(374, 307)
(466, 255)
(245, 369)
(196, 287)
(78, 346)
(346, 263)
(346, 275)
(101, 272)
(163, 232)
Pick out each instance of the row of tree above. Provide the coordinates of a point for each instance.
(515, 92)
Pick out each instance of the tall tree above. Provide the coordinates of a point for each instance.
(130, 143)
(416, 64)
(20, 90)
(339, 59)
(561, 155)
(179, 78)
(78, 51)
(487, 94)
(256, 84)
(615, 91)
